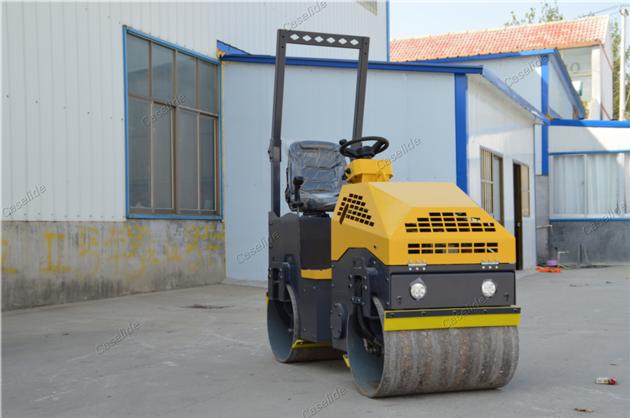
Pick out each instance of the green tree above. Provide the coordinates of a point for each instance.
(547, 13)
(616, 45)
(551, 13)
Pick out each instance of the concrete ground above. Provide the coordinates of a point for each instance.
(212, 360)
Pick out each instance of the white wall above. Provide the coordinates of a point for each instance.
(63, 86)
(606, 70)
(580, 138)
(319, 102)
(522, 74)
(559, 98)
(497, 124)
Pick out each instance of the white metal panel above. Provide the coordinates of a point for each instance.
(559, 99)
(522, 74)
(499, 125)
(606, 71)
(581, 138)
(63, 86)
(319, 102)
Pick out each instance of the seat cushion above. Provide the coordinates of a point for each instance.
(321, 166)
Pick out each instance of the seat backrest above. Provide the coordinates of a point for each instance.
(321, 166)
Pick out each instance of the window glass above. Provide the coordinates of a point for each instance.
(162, 73)
(162, 170)
(186, 80)
(525, 190)
(497, 188)
(491, 184)
(137, 66)
(568, 184)
(207, 87)
(206, 161)
(603, 183)
(172, 118)
(186, 152)
(139, 154)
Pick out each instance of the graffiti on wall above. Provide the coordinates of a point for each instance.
(129, 250)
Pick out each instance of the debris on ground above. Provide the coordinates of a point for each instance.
(589, 410)
(200, 306)
(606, 381)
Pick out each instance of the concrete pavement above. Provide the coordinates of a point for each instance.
(203, 352)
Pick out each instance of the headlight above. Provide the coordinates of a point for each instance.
(417, 289)
(488, 288)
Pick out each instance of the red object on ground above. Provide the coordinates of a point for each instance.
(548, 269)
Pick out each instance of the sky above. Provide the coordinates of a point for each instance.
(416, 18)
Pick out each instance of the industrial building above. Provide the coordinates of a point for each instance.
(135, 137)
(583, 202)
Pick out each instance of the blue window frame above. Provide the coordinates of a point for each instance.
(172, 124)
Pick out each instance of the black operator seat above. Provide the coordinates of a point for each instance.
(321, 167)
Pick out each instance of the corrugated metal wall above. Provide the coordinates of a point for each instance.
(63, 87)
(415, 111)
(497, 124)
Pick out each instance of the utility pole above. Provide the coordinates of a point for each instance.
(622, 66)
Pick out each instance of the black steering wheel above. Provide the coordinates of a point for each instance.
(364, 151)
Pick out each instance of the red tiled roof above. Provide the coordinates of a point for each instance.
(563, 34)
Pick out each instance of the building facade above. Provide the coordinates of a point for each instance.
(112, 167)
(135, 137)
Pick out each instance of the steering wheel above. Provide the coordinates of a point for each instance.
(365, 151)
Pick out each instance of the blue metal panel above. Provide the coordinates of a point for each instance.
(461, 131)
(591, 123)
(544, 107)
(126, 122)
(220, 121)
(127, 30)
(176, 217)
(551, 54)
(604, 220)
(491, 56)
(229, 49)
(377, 65)
(589, 152)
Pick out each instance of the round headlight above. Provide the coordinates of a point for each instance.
(417, 289)
(488, 288)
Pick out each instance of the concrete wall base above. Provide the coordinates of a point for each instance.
(604, 242)
(46, 263)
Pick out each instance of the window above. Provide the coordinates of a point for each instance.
(525, 210)
(172, 122)
(492, 184)
(593, 185)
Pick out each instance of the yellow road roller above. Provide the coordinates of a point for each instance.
(411, 283)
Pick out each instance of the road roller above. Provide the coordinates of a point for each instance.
(412, 284)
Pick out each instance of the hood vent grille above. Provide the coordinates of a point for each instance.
(449, 222)
(453, 248)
